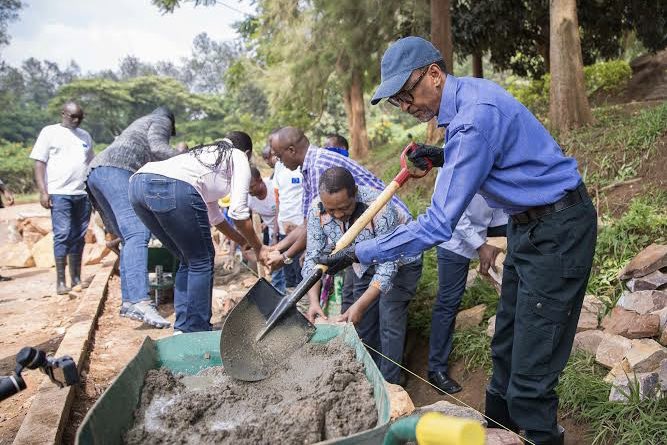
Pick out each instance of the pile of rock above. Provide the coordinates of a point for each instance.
(633, 337)
(31, 242)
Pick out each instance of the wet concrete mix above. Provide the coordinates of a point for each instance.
(318, 393)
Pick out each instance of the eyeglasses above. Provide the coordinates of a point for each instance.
(73, 116)
(404, 96)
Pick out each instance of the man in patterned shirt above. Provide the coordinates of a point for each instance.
(292, 147)
(378, 303)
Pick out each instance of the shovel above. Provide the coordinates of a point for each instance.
(266, 327)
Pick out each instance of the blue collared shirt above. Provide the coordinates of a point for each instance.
(494, 146)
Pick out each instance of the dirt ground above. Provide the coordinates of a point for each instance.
(31, 291)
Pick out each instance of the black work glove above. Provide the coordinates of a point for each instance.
(424, 153)
(338, 261)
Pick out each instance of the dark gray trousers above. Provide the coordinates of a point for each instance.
(544, 281)
(384, 324)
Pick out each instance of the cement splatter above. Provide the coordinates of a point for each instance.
(319, 393)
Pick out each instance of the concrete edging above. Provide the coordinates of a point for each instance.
(50, 409)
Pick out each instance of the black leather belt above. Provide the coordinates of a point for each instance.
(571, 198)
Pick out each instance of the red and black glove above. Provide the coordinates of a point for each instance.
(421, 156)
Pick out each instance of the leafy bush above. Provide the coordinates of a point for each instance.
(534, 94)
(15, 167)
(607, 77)
(380, 133)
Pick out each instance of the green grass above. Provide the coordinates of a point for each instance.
(617, 144)
(619, 240)
(472, 346)
(584, 396)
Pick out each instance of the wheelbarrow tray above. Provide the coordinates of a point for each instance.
(113, 413)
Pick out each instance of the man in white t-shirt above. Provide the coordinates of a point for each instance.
(262, 201)
(62, 153)
(289, 193)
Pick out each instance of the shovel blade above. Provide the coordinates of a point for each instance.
(243, 357)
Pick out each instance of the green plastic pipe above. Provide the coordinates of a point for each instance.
(402, 431)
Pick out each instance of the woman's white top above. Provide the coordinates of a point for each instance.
(231, 177)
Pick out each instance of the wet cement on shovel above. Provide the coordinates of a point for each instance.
(318, 393)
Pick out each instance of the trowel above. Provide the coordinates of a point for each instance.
(266, 327)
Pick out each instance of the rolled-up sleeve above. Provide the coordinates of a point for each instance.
(468, 161)
(215, 215)
(240, 185)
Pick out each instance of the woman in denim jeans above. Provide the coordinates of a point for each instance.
(177, 199)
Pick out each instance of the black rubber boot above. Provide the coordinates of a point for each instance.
(496, 409)
(557, 440)
(75, 271)
(61, 284)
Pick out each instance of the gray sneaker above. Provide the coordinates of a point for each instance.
(144, 311)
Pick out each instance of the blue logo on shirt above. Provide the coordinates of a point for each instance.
(296, 180)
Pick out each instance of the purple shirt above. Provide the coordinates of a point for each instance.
(318, 160)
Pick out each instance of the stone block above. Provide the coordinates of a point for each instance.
(16, 255)
(622, 368)
(450, 409)
(587, 321)
(498, 436)
(588, 341)
(662, 375)
(592, 304)
(491, 328)
(646, 383)
(662, 315)
(654, 280)
(649, 260)
(94, 253)
(42, 252)
(645, 355)
(469, 318)
(399, 401)
(663, 337)
(630, 324)
(643, 301)
(41, 225)
(612, 350)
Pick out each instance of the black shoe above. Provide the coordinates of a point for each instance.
(5, 278)
(444, 383)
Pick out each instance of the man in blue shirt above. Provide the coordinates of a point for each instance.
(495, 147)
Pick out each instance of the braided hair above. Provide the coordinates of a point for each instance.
(223, 149)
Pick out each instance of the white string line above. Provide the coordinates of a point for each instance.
(447, 394)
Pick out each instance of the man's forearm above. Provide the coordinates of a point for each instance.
(286, 242)
(298, 244)
(40, 176)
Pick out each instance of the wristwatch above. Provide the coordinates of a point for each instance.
(287, 260)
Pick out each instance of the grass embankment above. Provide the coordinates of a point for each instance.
(614, 149)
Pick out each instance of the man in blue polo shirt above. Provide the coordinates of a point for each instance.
(495, 147)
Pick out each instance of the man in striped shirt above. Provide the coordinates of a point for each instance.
(292, 147)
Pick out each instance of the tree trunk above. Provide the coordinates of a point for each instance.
(353, 99)
(568, 104)
(441, 37)
(477, 65)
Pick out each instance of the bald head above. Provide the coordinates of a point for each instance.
(72, 115)
(290, 145)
